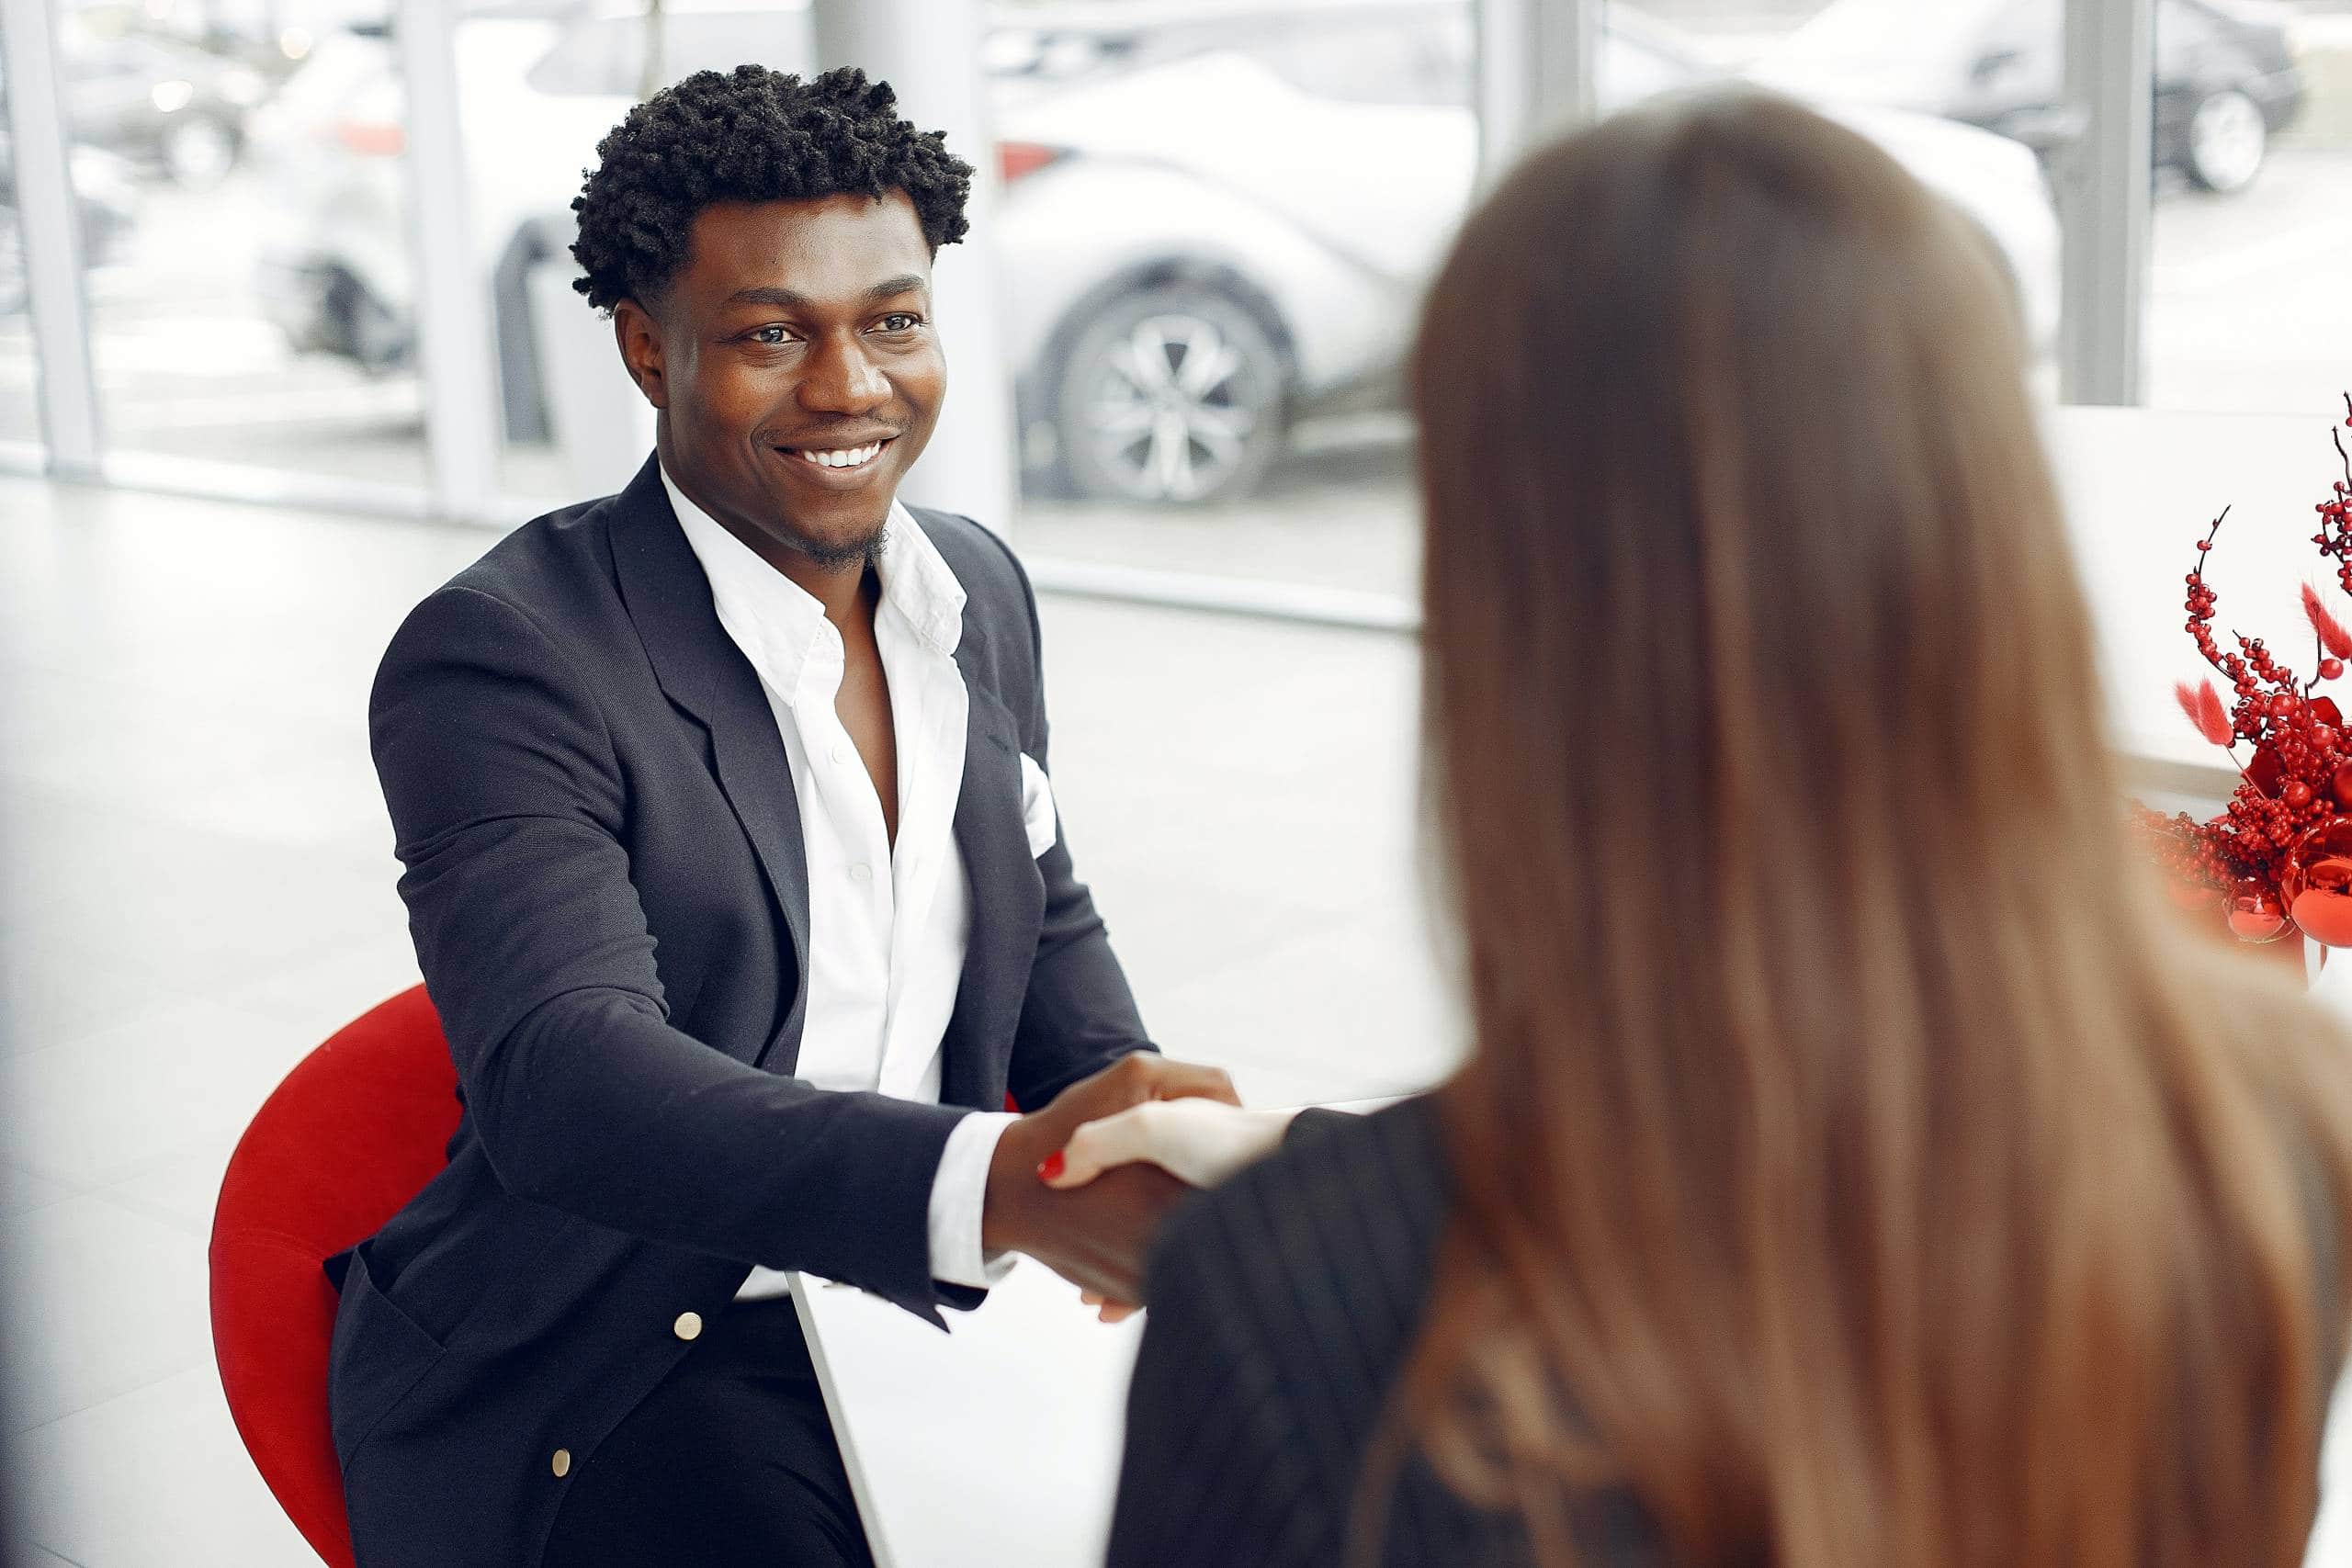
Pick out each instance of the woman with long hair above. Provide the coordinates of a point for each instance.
(1854, 1166)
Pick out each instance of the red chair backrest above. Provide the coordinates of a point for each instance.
(356, 1131)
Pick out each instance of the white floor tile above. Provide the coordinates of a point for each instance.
(1333, 1014)
(180, 1192)
(21, 1189)
(51, 993)
(155, 1479)
(323, 994)
(105, 1301)
(186, 907)
(180, 1079)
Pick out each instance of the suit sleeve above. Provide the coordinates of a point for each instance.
(1080, 1013)
(507, 804)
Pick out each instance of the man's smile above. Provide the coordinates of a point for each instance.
(835, 465)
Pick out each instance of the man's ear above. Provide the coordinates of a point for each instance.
(640, 337)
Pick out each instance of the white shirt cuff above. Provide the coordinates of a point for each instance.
(958, 1193)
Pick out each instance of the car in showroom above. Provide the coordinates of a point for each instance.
(1216, 222)
(2227, 75)
(163, 103)
(537, 87)
(1215, 227)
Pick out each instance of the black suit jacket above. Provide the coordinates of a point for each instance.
(608, 893)
(1284, 1304)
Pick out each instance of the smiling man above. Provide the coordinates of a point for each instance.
(736, 878)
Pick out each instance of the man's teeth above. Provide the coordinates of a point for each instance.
(842, 458)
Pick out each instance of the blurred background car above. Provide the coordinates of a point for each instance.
(161, 101)
(2227, 74)
(335, 273)
(1188, 274)
(108, 188)
(1186, 277)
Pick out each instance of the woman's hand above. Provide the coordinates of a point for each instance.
(1197, 1140)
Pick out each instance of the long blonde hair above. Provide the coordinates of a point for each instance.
(1854, 1169)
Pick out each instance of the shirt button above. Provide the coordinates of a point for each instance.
(562, 1463)
(688, 1326)
(861, 872)
(839, 753)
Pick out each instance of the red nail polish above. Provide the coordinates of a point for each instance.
(1051, 1167)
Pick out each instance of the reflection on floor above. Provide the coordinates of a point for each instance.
(198, 887)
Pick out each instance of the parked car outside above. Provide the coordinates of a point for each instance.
(166, 103)
(2227, 75)
(1214, 222)
(537, 88)
(1215, 227)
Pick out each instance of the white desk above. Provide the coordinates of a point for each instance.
(997, 1442)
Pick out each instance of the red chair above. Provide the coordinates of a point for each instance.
(356, 1131)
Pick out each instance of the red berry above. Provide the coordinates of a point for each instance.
(2298, 794)
(2331, 669)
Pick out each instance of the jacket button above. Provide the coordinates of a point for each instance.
(688, 1326)
(562, 1463)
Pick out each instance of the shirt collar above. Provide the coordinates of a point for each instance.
(778, 623)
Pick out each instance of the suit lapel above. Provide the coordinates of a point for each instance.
(1008, 897)
(703, 673)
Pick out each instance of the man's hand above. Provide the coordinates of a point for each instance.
(1095, 1237)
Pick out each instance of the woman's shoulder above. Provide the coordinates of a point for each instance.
(1344, 1217)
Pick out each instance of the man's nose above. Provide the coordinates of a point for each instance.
(841, 378)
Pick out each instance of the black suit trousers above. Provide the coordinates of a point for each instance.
(730, 1462)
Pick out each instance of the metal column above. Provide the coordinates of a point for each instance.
(2103, 170)
(928, 51)
(1537, 65)
(49, 218)
(462, 422)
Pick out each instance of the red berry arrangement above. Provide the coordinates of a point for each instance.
(2279, 860)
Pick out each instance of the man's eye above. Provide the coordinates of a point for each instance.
(900, 321)
(763, 335)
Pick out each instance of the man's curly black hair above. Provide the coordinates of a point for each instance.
(751, 135)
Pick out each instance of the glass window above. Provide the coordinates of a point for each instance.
(1212, 241)
(1962, 93)
(2251, 236)
(537, 91)
(245, 222)
(1415, 57)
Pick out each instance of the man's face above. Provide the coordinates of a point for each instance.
(797, 369)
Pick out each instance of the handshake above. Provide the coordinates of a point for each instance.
(1083, 1184)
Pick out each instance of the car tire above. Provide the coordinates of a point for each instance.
(1174, 395)
(2226, 142)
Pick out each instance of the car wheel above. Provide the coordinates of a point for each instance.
(2227, 142)
(198, 151)
(1174, 395)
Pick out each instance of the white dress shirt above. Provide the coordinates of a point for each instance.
(888, 927)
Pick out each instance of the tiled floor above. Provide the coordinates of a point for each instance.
(195, 887)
